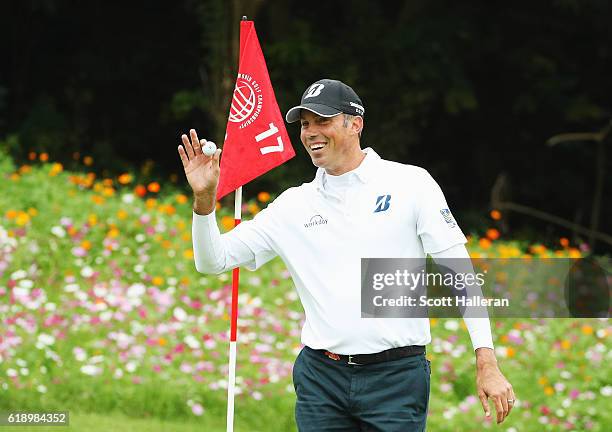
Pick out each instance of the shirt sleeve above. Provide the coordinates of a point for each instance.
(479, 328)
(436, 226)
(217, 253)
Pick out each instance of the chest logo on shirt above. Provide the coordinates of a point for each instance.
(448, 218)
(382, 203)
(315, 220)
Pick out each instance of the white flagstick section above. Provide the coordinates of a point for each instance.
(232, 352)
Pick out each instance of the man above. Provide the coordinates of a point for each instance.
(353, 373)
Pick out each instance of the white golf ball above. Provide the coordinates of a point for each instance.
(209, 148)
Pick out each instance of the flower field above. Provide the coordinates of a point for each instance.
(102, 311)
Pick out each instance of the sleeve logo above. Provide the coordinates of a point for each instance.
(448, 218)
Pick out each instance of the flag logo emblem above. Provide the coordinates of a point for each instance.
(246, 102)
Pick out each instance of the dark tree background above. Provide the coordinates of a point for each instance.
(468, 90)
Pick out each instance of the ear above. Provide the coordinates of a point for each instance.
(357, 125)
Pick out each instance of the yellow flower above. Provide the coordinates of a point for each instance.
(122, 214)
(587, 329)
(253, 208)
(188, 254)
(549, 391)
(113, 232)
(97, 199)
(92, 219)
(22, 218)
(157, 280)
(574, 253)
(186, 236)
(86, 244)
(181, 225)
(32, 211)
(56, 168)
(15, 177)
(565, 344)
(151, 203)
(543, 381)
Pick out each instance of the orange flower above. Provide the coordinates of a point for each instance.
(153, 187)
(32, 156)
(484, 243)
(97, 199)
(140, 190)
(44, 157)
(574, 253)
(124, 179)
(122, 214)
(10, 214)
(170, 209)
(218, 206)
(263, 197)
(88, 160)
(76, 155)
(587, 330)
(86, 244)
(157, 280)
(564, 241)
(549, 391)
(32, 211)
(181, 199)
(161, 341)
(510, 352)
(14, 177)
(492, 234)
(495, 214)
(151, 203)
(25, 169)
(227, 222)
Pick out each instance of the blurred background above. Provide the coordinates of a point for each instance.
(471, 91)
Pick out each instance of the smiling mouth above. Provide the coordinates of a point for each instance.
(316, 147)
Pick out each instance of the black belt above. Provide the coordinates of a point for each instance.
(365, 359)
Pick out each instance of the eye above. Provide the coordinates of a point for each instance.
(304, 124)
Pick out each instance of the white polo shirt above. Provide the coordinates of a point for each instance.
(322, 229)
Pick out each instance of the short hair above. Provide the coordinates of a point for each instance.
(348, 118)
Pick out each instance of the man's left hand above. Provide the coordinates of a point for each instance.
(492, 384)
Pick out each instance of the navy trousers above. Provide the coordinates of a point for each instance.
(382, 397)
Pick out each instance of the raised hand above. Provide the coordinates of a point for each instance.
(202, 171)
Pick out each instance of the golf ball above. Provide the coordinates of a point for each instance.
(209, 148)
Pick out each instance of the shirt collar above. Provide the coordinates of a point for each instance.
(363, 172)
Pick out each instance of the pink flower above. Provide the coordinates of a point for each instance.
(197, 409)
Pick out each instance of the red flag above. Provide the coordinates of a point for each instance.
(255, 139)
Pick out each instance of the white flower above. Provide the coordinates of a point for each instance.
(451, 325)
(118, 373)
(11, 373)
(96, 359)
(79, 354)
(91, 370)
(21, 362)
(191, 342)
(50, 307)
(87, 271)
(26, 283)
(606, 391)
(130, 367)
(180, 314)
(128, 198)
(46, 339)
(71, 288)
(140, 238)
(41, 389)
(58, 231)
(19, 274)
(136, 290)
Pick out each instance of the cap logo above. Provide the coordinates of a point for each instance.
(314, 90)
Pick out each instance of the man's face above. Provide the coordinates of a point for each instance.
(330, 141)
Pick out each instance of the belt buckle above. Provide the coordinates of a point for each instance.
(351, 362)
